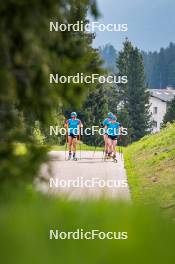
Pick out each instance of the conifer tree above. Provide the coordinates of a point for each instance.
(93, 113)
(29, 54)
(134, 97)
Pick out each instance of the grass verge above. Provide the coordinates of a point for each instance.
(150, 165)
(26, 220)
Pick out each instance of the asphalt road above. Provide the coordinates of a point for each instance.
(88, 177)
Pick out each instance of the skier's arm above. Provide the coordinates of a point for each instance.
(66, 124)
(80, 124)
(105, 127)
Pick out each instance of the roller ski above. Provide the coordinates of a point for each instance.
(105, 156)
(109, 155)
(74, 157)
(69, 157)
(114, 158)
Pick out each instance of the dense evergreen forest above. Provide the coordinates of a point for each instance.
(109, 56)
(159, 65)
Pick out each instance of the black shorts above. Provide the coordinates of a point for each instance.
(113, 137)
(73, 136)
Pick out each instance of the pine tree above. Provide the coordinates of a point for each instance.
(134, 97)
(93, 113)
(109, 55)
(171, 74)
(160, 67)
(29, 54)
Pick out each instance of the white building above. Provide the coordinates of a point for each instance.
(159, 99)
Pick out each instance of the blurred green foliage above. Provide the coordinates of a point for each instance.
(26, 221)
(38, 134)
(29, 53)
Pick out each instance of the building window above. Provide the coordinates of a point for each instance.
(155, 110)
(155, 124)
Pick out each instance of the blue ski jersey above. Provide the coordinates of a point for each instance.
(113, 129)
(73, 126)
(106, 121)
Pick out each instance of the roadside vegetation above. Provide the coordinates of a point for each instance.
(150, 165)
(28, 216)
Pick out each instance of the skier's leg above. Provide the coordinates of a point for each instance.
(114, 148)
(69, 146)
(109, 146)
(74, 142)
(106, 143)
(105, 137)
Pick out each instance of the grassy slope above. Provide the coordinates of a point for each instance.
(150, 165)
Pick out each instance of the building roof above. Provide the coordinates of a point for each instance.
(165, 95)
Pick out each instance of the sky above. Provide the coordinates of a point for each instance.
(151, 23)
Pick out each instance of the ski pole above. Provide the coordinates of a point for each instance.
(80, 148)
(66, 140)
(79, 138)
(106, 149)
(65, 147)
(104, 153)
(121, 150)
(94, 151)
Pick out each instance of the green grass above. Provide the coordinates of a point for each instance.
(150, 165)
(26, 220)
(20, 148)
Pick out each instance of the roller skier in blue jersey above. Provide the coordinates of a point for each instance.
(113, 129)
(73, 126)
(105, 123)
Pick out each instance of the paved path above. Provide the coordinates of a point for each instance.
(109, 178)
